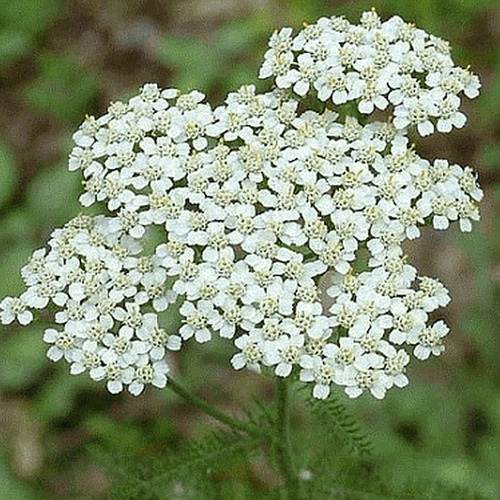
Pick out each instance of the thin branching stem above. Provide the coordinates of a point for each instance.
(284, 443)
(233, 422)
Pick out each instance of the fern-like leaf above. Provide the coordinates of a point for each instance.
(187, 473)
(359, 478)
(336, 420)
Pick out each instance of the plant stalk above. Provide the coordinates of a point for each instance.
(206, 407)
(284, 445)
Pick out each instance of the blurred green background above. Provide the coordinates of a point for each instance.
(61, 60)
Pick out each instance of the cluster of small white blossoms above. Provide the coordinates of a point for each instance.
(278, 230)
(377, 64)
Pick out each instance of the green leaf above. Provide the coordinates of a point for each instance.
(22, 358)
(242, 74)
(15, 227)
(29, 15)
(478, 249)
(336, 420)
(21, 21)
(489, 100)
(52, 197)
(63, 88)
(156, 476)
(13, 45)
(233, 38)
(11, 262)
(8, 174)
(124, 436)
(57, 396)
(490, 156)
(196, 62)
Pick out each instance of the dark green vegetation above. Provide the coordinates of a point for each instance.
(60, 434)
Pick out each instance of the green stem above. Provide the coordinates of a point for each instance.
(284, 444)
(207, 408)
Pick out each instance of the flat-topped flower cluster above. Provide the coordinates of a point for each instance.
(275, 228)
(375, 64)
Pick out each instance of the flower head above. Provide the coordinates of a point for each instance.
(251, 219)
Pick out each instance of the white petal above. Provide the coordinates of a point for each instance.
(114, 386)
(321, 391)
(283, 369)
(203, 335)
(238, 361)
(135, 388)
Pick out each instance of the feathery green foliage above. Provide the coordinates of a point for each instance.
(351, 477)
(190, 469)
(336, 420)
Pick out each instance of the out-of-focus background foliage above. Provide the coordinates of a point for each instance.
(61, 60)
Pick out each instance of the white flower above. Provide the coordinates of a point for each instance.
(468, 212)
(252, 348)
(364, 378)
(229, 319)
(148, 373)
(297, 272)
(12, 308)
(288, 349)
(351, 227)
(157, 339)
(115, 375)
(197, 319)
(395, 366)
(332, 252)
(342, 355)
(407, 322)
(64, 344)
(448, 114)
(333, 84)
(322, 372)
(429, 341)
(436, 294)
(156, 290)
(121, 348)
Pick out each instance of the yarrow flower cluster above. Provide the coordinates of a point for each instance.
(376, 64)
(278, 229)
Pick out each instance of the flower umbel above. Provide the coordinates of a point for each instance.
(264, 213)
